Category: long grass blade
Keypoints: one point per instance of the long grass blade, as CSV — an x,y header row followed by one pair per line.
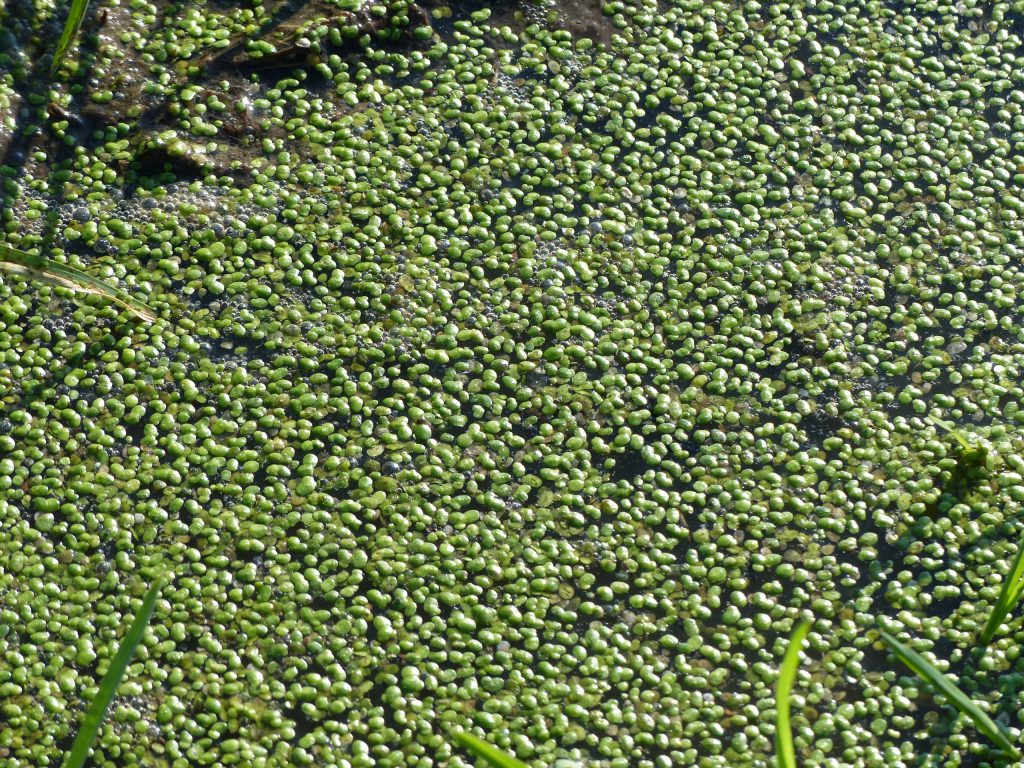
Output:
x,y
49,271
785,753
1009,595
76,14
485,751
940,682
108,686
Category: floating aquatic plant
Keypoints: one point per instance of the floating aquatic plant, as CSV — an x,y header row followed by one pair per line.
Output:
x,y
785,754
49,271
527,376
944,685
112,679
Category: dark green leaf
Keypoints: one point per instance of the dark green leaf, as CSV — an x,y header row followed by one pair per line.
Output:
x,y
1009,595
76,14
940,682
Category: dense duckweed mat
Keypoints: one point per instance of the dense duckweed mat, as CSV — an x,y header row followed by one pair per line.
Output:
x,y
530,371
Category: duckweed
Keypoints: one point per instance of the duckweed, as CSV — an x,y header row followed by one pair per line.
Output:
x,y
525,371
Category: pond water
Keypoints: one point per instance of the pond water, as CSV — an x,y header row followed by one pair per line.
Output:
x,y
524,368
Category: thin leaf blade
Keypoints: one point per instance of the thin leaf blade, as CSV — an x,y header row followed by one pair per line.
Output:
x,y
487,752
49,271
112,679
941,682
1009,595
956,433
76,15
785,752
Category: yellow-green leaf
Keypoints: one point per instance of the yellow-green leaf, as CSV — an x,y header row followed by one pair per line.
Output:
x,y
49,271
785,754
485,751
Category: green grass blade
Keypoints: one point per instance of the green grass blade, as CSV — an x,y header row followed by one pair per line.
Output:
x,y
940,682
956,433
1009,594
49,271
485,751
108,686
785,753
76,14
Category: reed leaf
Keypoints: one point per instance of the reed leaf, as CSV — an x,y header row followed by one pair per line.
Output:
x,y
487,752
76,15
49,271
1009,595
785,753
108,686
944,685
